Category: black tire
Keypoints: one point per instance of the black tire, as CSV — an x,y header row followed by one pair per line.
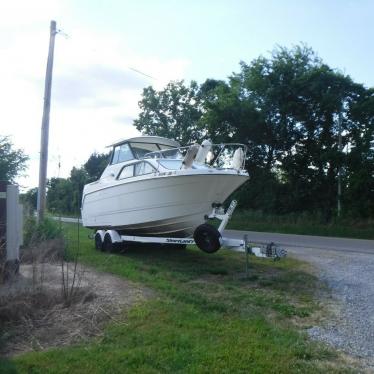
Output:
x,y
108,245
207,238
98,242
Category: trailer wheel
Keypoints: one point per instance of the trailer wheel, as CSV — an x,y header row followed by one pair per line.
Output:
x,y
207,238
108,245
98,242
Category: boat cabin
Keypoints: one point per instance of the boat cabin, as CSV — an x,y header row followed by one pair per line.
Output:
x,y
148,154
138,148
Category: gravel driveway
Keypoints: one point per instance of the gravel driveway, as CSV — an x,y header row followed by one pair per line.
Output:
x,y
347,266
350,277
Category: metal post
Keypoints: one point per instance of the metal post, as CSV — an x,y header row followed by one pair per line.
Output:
x,y
45,125
3,216
340,166
14,232
246,255
13,225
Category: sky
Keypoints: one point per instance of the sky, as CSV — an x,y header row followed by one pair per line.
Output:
x,y
95,91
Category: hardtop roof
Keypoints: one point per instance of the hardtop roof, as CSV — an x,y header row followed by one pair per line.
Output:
x,y
148,139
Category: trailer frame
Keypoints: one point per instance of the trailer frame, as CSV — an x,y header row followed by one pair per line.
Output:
x,y
110,239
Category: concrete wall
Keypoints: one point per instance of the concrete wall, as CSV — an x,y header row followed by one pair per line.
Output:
x,y
3,188
11,229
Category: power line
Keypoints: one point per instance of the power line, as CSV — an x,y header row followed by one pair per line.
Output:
x,y
139,72
67,36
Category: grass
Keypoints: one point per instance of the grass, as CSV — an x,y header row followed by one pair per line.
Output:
x,y
301,224
206,317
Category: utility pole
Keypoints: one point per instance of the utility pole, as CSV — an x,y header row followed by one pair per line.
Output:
x,y
45,125
340,166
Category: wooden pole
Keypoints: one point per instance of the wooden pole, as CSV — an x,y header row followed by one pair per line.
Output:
x,y
45,125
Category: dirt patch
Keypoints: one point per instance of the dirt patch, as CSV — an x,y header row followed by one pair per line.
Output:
x,y
35,315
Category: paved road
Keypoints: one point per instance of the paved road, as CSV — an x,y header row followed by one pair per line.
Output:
x,y
288,240
307,241
67,219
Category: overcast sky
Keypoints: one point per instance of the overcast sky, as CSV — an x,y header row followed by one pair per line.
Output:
x,y
95,91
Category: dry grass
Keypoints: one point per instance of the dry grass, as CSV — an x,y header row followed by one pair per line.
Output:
x,y
53,303
50,251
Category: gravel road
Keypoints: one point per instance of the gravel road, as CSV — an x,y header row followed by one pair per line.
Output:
x,y
347,266
350,277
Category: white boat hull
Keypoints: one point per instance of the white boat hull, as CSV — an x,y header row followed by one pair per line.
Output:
x,y
162,205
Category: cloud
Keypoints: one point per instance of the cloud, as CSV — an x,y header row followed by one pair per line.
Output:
x,y
90,86
94,93
124,119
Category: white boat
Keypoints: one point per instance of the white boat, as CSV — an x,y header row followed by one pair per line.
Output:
x,y
153,186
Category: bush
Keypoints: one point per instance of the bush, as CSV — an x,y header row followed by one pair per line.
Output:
x,y
36,232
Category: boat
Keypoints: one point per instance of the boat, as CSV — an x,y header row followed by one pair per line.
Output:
x,y
153,186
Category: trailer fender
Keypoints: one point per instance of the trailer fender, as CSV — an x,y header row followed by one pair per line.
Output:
x,y
116,238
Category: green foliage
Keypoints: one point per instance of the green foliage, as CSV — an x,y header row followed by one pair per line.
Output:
x,y
78,178
64,196
359,171
12,162
60,196
36,232
95,165
30,198
302,224
173,112
286,109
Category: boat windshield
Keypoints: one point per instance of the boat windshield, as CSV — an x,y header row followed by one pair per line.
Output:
x,y
140,149
177,164
170,164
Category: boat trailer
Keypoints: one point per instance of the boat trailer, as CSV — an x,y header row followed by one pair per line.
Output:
x,y
208,238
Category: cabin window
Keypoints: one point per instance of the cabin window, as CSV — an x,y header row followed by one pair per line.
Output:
x,y
143,168
122,153
126,172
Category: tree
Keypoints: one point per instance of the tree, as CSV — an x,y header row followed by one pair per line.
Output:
x,y
60,196
173,112
29,198
12,161
95,165
78,178
65,195
359,196
285,108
